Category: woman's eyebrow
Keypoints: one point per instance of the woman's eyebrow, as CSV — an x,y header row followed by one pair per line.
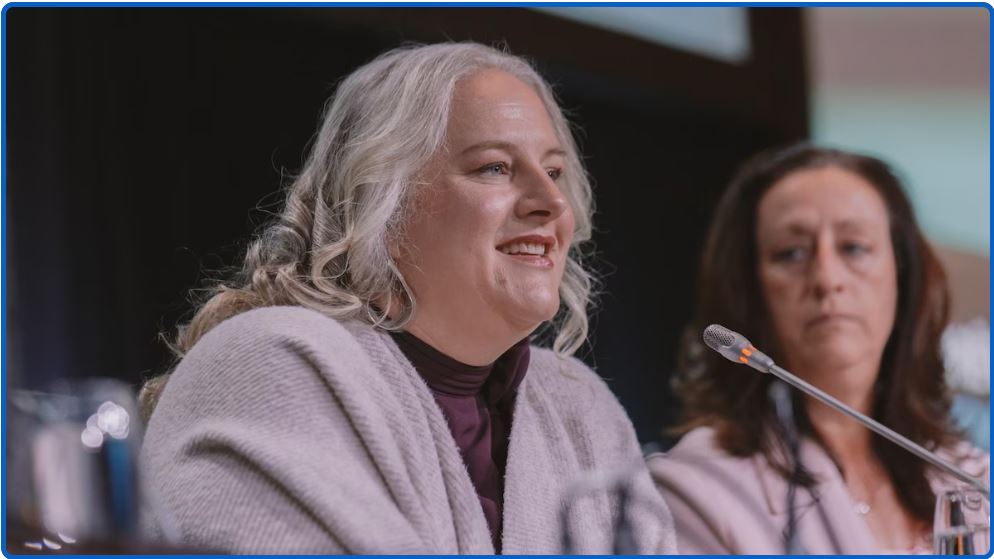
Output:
x,y
852,224
489,144
793,226
509,147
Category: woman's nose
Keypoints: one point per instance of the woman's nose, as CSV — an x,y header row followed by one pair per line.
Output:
x,y
828,271
542,196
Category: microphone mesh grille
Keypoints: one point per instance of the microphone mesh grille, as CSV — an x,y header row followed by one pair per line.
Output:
x,y
717,336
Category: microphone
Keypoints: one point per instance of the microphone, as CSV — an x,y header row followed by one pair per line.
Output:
x,y
736,348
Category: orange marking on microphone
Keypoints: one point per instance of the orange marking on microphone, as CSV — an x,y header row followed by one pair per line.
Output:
x,y
747,351
744,359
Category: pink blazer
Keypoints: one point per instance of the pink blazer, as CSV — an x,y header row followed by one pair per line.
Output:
x,y
724,504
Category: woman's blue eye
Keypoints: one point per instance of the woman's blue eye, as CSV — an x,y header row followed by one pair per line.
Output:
x,y
494,169
855,249
792,254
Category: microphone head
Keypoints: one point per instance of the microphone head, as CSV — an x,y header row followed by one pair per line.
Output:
x,y
717,336
736,348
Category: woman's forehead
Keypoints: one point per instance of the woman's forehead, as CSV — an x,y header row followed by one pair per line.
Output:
x,y
491,104
828,195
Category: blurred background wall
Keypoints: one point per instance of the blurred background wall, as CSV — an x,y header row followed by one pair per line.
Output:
x,y
145,145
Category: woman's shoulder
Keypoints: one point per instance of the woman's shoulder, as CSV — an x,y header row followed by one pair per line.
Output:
x,y
697,446
968,457
698,465
545,362
719,501
265,349
275,324
576,393
566,378
271,332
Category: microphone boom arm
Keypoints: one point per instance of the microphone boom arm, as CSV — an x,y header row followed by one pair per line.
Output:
x,y
880,429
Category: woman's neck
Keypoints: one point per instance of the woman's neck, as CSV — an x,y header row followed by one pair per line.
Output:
x,y
847,439
466,345
477,343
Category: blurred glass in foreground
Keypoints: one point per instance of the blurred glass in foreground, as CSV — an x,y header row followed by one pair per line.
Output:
x,y
72,452
962,523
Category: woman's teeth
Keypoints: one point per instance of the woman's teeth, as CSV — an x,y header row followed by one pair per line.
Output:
x,y
524,248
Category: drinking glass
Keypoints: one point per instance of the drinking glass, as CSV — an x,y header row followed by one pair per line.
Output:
x,y
72,452
962,523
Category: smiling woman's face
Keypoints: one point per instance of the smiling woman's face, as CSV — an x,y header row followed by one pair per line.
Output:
x,y
827,269
485,250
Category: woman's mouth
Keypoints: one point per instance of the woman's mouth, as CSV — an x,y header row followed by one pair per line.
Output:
x,y
533,251
830,319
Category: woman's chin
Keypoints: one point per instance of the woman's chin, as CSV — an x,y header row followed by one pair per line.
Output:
x,y
829,357
531,314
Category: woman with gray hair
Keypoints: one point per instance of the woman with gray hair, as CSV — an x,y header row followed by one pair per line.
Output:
x,y
367,383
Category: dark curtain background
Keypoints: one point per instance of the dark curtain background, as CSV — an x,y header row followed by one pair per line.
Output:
x,y
144,145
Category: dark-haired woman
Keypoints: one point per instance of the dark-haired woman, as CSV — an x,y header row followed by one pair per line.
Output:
x,y
815,255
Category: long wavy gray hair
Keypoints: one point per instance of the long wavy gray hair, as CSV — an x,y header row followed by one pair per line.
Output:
x,y
328,250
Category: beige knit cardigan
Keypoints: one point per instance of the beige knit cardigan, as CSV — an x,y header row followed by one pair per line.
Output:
x,y
285,431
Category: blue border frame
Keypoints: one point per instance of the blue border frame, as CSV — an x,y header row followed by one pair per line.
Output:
x,y
492,4
353,4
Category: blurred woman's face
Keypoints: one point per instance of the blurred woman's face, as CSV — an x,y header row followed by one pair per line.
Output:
x,y
827,270
485,250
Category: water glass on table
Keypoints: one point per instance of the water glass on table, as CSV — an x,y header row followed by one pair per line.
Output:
x,y
962,523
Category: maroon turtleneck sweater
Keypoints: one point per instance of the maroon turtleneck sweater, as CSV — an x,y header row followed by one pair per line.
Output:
x,y
477,402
